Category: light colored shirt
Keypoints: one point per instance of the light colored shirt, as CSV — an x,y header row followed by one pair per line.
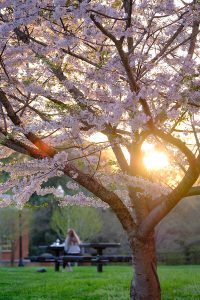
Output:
x,y
73,249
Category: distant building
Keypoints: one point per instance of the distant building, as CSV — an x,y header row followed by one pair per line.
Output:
x,y
9,249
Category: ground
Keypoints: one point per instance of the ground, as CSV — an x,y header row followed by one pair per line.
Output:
x,y
84,283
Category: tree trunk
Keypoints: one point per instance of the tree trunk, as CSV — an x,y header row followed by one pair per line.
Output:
x,y
12,254
145,284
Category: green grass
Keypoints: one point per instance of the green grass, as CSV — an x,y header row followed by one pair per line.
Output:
x,y
84,283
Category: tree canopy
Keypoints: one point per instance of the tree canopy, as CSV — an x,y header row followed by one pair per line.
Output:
x,y
70,69
126,69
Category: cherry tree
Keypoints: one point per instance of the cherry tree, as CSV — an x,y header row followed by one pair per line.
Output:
x,y
126,69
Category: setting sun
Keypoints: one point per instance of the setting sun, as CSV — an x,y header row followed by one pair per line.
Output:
x,y
155,160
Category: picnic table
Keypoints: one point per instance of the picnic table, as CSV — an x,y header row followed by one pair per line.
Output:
x,y
100,247
57,249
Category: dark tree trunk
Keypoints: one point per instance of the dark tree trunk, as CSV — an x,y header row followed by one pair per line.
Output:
x,y
12,254
145,284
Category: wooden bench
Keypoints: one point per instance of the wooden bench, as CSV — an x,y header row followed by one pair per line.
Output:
x,y
98,260
42,258
47,259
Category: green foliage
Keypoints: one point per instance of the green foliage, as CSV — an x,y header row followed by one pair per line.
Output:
x,y
4,139
4,176
117,4
48,62
190,81
61,107
41,232
73,2
43,208
11,159
85,220
104,56
9,222
28,81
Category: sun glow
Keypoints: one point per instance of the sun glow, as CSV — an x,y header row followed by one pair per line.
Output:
x,y
154,159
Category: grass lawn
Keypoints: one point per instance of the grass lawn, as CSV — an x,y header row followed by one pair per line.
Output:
x,y
84,283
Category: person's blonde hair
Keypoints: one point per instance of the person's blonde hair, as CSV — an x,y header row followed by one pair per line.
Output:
x,y
72,237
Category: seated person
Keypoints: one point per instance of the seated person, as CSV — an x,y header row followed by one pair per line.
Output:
x,y
71,246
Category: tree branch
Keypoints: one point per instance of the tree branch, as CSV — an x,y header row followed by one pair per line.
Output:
x,y
195,30
18,146
179,144
119,155
103,30
85,180
194,191
100,191
168,202
17,122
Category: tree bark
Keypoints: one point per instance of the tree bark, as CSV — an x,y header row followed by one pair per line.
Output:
x,y
145,284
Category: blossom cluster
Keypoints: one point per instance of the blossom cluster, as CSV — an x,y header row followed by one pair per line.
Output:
x,y
26,178
82,200
74,68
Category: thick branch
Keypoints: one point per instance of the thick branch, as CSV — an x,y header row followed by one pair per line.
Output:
x,y
194,191
104,30
169,202
9,109
17,122
85,180
18,146
179,144
120,157
101,192
195,30
128,9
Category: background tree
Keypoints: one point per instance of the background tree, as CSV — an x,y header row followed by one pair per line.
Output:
x,y
85,220
10,229
174,238
127,69
41,232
